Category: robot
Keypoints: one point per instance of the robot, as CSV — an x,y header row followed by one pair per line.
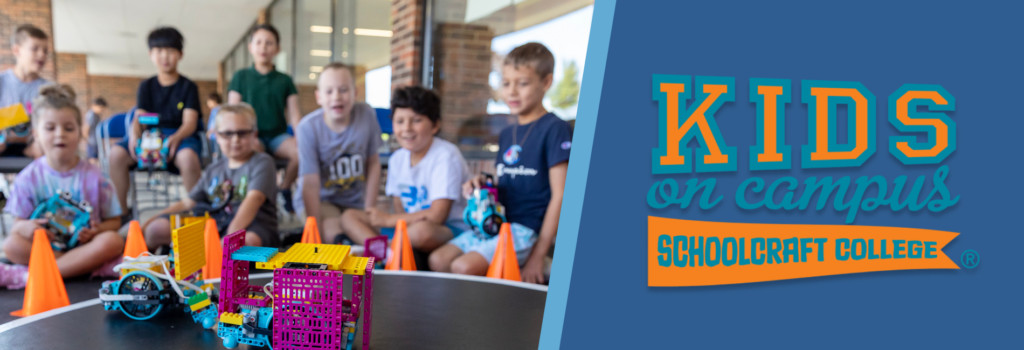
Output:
x,y
66,217
483,212
305,306
151,283
15,118
152,150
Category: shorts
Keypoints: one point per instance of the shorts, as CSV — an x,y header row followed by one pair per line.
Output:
x,y
272,143
14,150
523,238
266,234
192,142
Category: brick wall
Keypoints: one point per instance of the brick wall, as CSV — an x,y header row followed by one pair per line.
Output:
x,y
17,12
462,62
71,71
406,42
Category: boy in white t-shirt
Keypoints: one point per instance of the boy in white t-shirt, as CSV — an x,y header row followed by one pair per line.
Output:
x,y
425,176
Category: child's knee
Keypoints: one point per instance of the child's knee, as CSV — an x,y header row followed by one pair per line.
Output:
x,y
187,160
439,261
421,233
253,240
469,264
111,242
17,249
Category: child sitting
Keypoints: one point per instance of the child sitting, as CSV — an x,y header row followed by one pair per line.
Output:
x,y
338,161
425,176
97,112
531,169
57,130
31,47
175,99
238,190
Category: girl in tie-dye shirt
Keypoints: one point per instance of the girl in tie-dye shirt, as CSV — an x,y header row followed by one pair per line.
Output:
x,y
57,126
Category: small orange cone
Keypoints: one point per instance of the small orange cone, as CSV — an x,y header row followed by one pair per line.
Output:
x,y
136,243
45,289
214,251
401,250
311,234
505,265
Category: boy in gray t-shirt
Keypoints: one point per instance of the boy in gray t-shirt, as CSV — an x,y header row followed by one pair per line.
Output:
x,y
238,190
30,47
338,161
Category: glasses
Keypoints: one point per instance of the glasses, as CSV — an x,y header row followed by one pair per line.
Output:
x,y
227,134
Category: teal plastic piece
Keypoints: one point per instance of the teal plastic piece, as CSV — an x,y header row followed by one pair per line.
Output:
x,y
255,254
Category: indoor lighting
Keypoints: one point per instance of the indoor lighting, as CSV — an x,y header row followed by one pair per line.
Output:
x,y
344,30
373,32
344,54
312,76
320,53
321,29
316,69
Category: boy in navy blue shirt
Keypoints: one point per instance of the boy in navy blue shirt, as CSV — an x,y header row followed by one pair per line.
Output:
x,y
531,167
175,99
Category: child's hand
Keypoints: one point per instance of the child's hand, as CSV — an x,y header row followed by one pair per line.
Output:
x,y
27,228
475,183
172,145
132,143
378,218
86,234
533,272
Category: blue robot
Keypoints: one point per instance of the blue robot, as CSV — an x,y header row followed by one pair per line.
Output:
x,y
152,150
65,217
483,212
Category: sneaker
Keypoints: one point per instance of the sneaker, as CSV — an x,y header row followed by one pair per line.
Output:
x,y
288,205
107,270
13,276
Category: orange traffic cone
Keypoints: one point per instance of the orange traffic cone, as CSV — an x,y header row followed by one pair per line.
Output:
x,y
311,234
45,290
505,265
136,243
214,251
401,250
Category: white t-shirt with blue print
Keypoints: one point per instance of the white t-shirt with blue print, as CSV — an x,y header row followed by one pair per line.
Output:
x,y
439,175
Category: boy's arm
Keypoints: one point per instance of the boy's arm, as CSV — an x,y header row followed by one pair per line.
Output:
x,y
533,271
311,196
247,210
437,214
26,227
396,203
294,114
234,97
184,204
372,180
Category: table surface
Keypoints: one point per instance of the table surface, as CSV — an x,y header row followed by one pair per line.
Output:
x,y
411,310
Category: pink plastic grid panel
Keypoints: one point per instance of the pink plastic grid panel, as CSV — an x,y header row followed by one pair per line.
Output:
x,y
308,309
234,286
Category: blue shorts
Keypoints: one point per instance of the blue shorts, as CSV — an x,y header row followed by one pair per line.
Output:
x,y
523,238
271,144
192,142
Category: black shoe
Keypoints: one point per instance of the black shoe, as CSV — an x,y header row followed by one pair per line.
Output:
x,y
287,193
126,217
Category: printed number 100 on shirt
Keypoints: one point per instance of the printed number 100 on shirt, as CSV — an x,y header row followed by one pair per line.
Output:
x,y
345,171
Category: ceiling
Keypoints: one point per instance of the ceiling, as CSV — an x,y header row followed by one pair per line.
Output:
x,y
112,33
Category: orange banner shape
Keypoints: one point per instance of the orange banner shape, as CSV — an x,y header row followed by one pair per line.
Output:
x,y
684,253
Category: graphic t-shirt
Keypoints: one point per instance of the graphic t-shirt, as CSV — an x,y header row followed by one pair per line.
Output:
x,y
13,90
439,175
221,189
170,102
339,158
522,167
38,182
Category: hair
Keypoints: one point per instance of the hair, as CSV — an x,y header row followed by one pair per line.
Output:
x,y
533,55
100,101
167,37
25,31
266,27
419,100
215,97
55,97
243,109
341,66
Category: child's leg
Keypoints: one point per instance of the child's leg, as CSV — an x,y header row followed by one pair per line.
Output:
x,y
441,259
426,236
18,249
120,163
330,225
90,256
158,233
356,224
471,263
288,150
187,161
252,239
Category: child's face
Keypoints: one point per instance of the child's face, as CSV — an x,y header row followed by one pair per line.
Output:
x,y
235,135
263,46
57,132
413,130
522,89
211,103
31,53
98,109
335,93
165,59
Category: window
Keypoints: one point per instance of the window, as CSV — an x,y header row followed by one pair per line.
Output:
x,y
282,18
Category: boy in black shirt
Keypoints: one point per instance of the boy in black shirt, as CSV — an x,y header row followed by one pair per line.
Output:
x,y
176,99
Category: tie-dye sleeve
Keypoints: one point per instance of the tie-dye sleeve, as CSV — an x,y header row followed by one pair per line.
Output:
x,y
23,200
110,207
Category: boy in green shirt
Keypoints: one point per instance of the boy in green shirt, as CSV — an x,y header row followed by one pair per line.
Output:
x,y
273,95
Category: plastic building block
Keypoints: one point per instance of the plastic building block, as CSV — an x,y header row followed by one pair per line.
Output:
x,y
189,249
65,217
354,265
483,212
331,255
152,149
231,318
255,254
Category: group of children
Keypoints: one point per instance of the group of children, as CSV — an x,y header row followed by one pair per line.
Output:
x,y
334,154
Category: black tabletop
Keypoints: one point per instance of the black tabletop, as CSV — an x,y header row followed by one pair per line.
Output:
x,y
410,311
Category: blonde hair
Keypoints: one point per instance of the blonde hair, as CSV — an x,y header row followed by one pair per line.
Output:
x,y
242,109
55,97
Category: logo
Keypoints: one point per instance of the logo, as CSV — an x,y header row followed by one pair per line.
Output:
x,y
181,105
513,171
512,155
566,144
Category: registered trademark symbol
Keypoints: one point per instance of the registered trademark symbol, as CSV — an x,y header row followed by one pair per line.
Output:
x,y
970,259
